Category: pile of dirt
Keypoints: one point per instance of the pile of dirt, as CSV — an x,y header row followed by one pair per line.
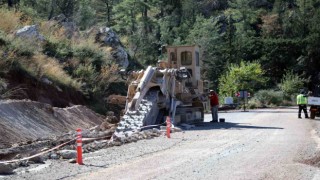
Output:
x,y
25,120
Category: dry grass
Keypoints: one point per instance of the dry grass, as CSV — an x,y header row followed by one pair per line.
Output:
x,y
9,20
85,44
52,31
44,66
107,74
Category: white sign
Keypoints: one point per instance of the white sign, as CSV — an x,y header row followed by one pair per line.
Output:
x,y
314,101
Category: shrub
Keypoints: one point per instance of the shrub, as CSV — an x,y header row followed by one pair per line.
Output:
x,y
86,73
246,75
58,49
43,66
24,47
291,84
3,38
267,98
9,20
89,52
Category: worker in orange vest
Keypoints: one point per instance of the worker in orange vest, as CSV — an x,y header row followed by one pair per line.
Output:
x,y
214,102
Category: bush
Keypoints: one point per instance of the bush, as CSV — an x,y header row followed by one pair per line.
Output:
x,y
89,52
58,49
24,47
9,20
246,75
266,98
43,66
291,84
3,38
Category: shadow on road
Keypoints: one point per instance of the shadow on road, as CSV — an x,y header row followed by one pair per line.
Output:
x,y
259,111
227,125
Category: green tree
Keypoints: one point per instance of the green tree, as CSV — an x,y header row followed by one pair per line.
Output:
x,y
246,75
205,33
104,11
85,15
291,83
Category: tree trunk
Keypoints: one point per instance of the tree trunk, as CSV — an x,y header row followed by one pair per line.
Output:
x,y
10,3
53,5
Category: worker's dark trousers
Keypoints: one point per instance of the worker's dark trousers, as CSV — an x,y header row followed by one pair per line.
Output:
x,y
304,108
214,112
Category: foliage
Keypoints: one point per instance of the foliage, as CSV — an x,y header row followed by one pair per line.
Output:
x,y
85,15
58,49
40,66
245,76
244,44
266,98
291,83
9,20
205,34
24,47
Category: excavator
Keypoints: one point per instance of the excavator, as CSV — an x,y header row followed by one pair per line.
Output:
x,y
172,88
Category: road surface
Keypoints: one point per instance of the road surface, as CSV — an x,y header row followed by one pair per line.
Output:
x,y
259,144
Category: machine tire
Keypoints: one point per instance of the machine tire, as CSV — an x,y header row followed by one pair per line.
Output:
x,y
312,114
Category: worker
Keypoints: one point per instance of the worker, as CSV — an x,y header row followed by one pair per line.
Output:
x,y
214,102
302,103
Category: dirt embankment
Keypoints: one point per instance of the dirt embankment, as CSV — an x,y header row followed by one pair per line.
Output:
x,y
24,120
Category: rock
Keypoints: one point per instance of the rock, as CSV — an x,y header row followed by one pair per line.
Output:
x,y
85,133
30,32
54,156
59,18
68,154
24,163
117,143
155,130
37,160
72,161
6,169
176,129
46,81
70,28
112,119
108,37
110,113
104,126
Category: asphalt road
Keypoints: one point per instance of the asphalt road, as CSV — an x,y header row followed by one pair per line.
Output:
x,y
259,144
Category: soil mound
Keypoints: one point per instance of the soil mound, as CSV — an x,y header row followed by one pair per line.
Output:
x,y
25,120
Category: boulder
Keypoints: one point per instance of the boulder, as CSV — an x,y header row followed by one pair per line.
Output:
x,y
104,126
107,37
6,169
72,161
30,32
54,156
68,154
37,160
69,26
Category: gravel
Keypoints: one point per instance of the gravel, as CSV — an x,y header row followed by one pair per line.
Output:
x,y
264,144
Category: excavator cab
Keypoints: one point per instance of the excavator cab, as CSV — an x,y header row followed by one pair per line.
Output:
x,y
190,89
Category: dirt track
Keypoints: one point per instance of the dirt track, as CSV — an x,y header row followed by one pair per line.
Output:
x,y
261,144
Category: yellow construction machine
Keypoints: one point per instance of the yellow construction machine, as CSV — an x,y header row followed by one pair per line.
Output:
x,y
173,88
